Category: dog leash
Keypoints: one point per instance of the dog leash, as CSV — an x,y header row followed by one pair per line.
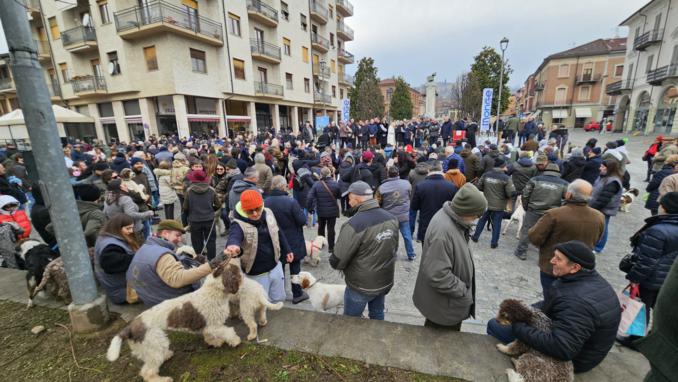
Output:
x,y
204,242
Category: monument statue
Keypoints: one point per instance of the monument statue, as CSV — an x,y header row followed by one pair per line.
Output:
x,y
431,93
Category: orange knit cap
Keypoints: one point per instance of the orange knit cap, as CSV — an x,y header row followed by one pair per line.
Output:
x,y
251,200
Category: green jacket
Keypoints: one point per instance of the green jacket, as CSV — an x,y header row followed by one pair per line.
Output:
x,y
92,218
513,124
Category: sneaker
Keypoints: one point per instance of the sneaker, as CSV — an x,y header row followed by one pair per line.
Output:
x,y
298,299
521,256
411,258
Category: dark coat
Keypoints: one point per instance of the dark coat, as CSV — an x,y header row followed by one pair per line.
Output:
x,y
655,247
584,312
521,172
291,219
471,165
592,169
573,168
653,186
429,196
345,170
119,164
320,200
446,129
487,163
303,182
361,172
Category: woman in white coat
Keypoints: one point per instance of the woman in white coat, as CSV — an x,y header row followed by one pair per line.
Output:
x,y
390,135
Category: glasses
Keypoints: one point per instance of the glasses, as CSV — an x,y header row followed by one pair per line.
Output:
x,y
114,177
220,169
254,211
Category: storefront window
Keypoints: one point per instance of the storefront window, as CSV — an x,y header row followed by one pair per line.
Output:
x,y
136,131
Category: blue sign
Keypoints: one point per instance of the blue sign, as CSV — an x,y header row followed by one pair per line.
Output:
x,y
345,109
321,122
486,110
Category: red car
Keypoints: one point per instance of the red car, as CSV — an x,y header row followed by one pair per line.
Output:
x,y
595,126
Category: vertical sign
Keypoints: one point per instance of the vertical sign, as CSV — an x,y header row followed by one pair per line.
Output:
x,y
345,109
486,110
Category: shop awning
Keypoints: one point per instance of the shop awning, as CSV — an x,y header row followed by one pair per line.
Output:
x,y
238,118
133,119
582,112
107,120
203,118
61,114
559,113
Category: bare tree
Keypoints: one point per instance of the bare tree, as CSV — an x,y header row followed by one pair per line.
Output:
x,y
467,95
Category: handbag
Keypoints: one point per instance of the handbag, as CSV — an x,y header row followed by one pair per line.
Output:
x,y
634,319
626,263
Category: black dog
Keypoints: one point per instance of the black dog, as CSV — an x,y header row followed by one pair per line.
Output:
x,y
33,256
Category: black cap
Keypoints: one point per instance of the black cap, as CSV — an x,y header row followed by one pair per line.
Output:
x,y
670,202
578,252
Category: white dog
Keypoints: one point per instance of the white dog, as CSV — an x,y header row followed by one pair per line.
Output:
x,y
250,303
517,216
627,199
204,310
313,249
322,296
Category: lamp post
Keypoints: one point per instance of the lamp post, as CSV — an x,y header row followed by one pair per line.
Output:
x,y
503,44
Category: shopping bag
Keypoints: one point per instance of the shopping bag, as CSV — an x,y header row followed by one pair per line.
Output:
x,y
633,320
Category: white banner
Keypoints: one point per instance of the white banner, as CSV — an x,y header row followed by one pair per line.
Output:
x,y
345,109
486,110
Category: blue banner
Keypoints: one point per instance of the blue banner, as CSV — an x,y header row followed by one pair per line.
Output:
x,y
486,110
345,109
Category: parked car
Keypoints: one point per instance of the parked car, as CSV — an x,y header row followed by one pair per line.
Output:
x,y
595,126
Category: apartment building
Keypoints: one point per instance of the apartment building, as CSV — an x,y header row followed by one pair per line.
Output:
x,y
568,88
387,88
193,66
8,100
648,90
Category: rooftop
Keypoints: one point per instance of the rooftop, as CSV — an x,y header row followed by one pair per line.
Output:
x,y
594,48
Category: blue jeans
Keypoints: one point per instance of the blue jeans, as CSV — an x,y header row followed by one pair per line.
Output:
x,y
273,283
155,198
354,304
495,217
503,333
413,221
407,238
546,281
600,245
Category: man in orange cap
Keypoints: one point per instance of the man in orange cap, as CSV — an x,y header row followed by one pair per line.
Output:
x,y
255,237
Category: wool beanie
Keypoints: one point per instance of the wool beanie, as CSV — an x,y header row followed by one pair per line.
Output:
x,y
100,166
578,252
232,164
469,201
251,200
88,192
198,176
135,160
670,202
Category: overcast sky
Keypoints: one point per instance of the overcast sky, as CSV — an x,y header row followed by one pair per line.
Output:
x,y
415,38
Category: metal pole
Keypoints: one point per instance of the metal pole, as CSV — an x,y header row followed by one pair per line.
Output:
x,y
42,130
501,86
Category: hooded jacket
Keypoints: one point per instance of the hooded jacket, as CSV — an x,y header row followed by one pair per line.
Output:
x,y
487,163
498,189
544,192
322,201
19,216
419,173
178,173
521,172
167,193
119,163
653,187
200,203
471,165
655,247
573,168
238,188
394,196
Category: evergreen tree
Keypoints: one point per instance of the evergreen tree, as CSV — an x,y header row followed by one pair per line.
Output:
x,y
401,103
366,98
486,70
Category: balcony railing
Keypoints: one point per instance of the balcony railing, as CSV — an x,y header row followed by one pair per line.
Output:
x,y
43,48
88,84
345,30
322,71
657,76
588,78
265,11
78,37
648,38
346,79
165,14
320,42
345,8
618,87
319,11
319,97
539,86
267,50
266,89
345,56
6,84
54,89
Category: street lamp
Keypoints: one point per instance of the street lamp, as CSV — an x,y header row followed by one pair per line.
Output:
x,y
503,44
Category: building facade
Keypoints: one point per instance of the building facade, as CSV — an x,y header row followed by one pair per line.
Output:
x,y
188,67
387,88
648,90
568,88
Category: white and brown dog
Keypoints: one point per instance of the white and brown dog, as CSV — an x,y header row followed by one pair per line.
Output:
x,y
323,296
250,303
313,249
517,216
202,311
627,198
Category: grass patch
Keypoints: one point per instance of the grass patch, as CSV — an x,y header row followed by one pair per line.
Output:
x,y
48,357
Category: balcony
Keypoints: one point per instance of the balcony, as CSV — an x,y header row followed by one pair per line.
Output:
x,y
262,12
344,8
344,32
88,85
159,17
79,39
43,50
7,85
264,89
588,78
264,51
657,76
320,43
648,38
32,6
345,79
345,56
619,87
321,98
321,71
539,86
54,90
319,12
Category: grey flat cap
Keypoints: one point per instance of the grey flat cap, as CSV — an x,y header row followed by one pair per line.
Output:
x,y
360,188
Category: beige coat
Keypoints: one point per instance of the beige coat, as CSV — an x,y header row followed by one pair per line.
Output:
x,y
668,184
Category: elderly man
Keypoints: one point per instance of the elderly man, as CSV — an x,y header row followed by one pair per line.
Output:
x,y
444,291
583,308
573,221
156,273
449,154
366,253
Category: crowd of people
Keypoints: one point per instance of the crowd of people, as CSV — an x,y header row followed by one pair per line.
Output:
x,y
438,183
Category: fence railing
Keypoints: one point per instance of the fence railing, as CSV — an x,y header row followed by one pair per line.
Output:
x,y
322,71
265,49
345,55
648,38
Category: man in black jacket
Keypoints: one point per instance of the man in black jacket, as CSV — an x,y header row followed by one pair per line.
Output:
x,y
430,195
583,308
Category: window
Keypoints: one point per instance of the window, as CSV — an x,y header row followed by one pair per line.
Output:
x,y
657,22
564,70
151,58
332,40
618,70
330,8
103,10
63,68
304,54
113,64
239,69
584,93
54,28
284,11
389,94
289,83
287,47
307,85
96,67
648,66
333,66
629,74
561,95
304,23
198,61
341,93
334,91
233,24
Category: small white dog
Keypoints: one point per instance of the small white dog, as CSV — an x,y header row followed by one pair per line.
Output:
x,y
313,249
322,296
517,216
204,310
627,199
250,303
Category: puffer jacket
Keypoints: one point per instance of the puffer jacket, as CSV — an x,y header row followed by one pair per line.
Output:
x,y
366,249
200,203
606,196
119,163
655,247
419,173
544,192
498,189
178,173
584,312
428,197
361,171
321,201
521,172
471,165
573,168
167,193
591,170
653,187
394,196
